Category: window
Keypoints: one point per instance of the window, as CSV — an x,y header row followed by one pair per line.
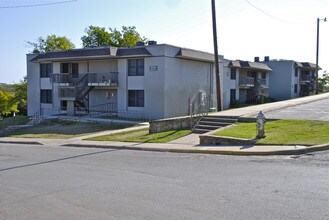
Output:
x,y
233,73
72,68
75,70
263,75
313,73
45,70
295,88
136,67
232,94
46,96
251,74
64,67
136,98
63,104
296,72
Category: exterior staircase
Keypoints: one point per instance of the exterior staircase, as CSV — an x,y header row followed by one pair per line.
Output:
x,y
213,122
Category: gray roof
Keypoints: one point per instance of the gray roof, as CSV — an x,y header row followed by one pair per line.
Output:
x,y
306,65
76,53
195,55
133,51
250,65
113,52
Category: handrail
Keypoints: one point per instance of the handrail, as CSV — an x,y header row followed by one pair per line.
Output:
x,y
37,117
92,111
199,113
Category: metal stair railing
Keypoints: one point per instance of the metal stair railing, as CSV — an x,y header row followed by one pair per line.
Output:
x,y
37,117
96,110
197,115
82,87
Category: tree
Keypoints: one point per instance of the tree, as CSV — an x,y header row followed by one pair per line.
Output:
x,y
20,96
7,103
323,81
99,36
96,36
51,43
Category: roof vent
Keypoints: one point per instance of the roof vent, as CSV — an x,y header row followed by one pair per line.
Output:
x,y
152,42
140,43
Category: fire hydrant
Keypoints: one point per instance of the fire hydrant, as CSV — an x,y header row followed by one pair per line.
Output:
x,y
260,124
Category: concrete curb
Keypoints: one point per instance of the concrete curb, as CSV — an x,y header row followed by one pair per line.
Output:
x,y
211,151
21,142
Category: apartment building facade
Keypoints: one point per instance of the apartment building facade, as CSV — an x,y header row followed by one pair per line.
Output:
x,y
157,81
291,79
245,81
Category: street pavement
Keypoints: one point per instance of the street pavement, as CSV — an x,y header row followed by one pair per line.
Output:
x,y
311,107
53,182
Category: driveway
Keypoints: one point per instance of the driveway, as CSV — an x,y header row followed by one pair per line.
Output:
x,y
317,110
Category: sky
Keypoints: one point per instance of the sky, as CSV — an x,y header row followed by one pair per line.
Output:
x,y
280,29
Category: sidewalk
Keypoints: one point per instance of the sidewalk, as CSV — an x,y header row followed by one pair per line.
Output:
x,y
252,111
189,143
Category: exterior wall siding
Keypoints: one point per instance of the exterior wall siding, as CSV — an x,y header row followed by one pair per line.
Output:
x,y
280,79
33,89
184,80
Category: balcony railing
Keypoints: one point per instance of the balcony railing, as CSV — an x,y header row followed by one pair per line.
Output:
x,y
246,81
67,93
103,79
93,79
262,82
306,78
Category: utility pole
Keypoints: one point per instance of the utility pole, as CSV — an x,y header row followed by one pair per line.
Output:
x,y
317,54
214,28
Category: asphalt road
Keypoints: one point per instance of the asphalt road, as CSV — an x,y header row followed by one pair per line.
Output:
x,y
43,182
318,110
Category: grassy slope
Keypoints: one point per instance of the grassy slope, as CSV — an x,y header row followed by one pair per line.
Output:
x,y
10,121
143,135
283,132
57,129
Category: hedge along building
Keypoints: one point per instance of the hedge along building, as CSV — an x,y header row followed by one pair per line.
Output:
x,y
153,81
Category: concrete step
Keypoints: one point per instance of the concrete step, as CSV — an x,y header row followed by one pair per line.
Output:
x,y
200,131
207,127
220,119
214,123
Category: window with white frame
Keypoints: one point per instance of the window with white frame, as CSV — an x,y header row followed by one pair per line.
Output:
x,y
136,67
46,96
233,73
45,70
136,98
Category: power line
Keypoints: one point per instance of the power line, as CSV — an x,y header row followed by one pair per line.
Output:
x,y
264,12
38,5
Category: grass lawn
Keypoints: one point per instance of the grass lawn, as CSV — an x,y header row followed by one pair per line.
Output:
x,y
143,135
61,129
11,121
299,132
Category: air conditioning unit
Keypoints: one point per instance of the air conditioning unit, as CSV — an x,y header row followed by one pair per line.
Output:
x,y
152,42
140,44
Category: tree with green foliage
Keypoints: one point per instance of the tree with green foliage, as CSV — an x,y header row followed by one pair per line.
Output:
x,y
95,37
7,103
20,96
51,43
99,36
323,82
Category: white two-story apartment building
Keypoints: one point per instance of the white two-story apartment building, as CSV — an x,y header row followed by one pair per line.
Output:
x,y
245,81
157,81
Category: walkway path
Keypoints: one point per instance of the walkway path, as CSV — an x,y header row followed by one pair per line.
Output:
x,y
189,144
